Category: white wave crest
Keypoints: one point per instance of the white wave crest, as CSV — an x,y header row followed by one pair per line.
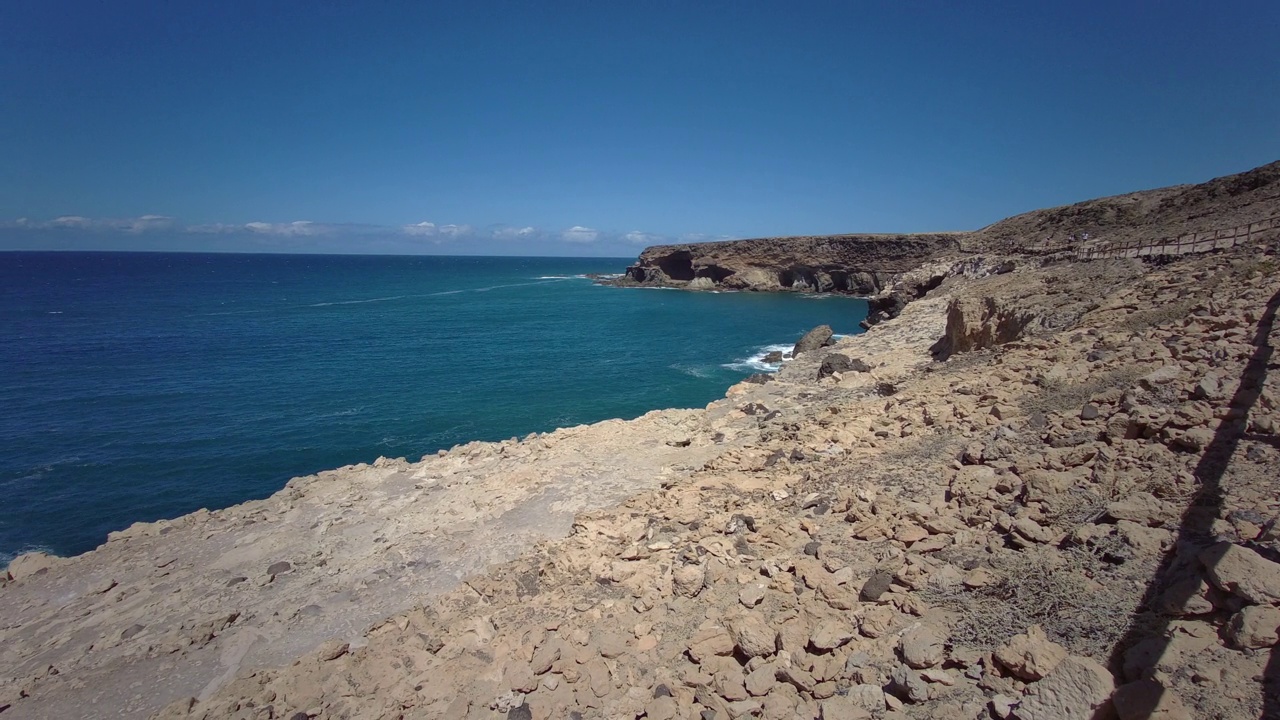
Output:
x,y
756,363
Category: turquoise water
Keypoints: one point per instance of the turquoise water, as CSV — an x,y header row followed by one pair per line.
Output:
x,y
144,386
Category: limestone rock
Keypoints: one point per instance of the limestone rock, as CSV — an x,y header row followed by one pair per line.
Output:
x,y
1075,690
743,708
332,650
922,646
751,595
1242,572
519,677
844,708
730,684
908,685
710,643
1160,376
876,621
977,323
1002,706
1207,388
1031,656
831,634
1141,507
31,564
752,635
662,708
1256,626
868,697
689,580
761,680
544,658
1031,530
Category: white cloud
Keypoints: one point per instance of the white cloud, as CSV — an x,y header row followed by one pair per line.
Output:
x,y
580,234
213,228
145,223
297,228
306,232
71,221
422,229
515,233
456,230
639,237
136,225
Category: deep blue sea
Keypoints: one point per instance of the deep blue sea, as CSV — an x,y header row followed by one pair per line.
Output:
x,y
140,386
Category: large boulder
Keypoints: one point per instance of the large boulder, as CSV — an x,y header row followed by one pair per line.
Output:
x,y
1076,689
31,564
752,636
1030,656
812,340
923,646
1243,572
838,363
978,323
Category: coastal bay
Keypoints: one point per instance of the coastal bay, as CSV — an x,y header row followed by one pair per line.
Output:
x,y
142,386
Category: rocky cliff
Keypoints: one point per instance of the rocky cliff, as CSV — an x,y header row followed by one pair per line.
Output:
x,y
872,264
859,264
1046,489
1224,202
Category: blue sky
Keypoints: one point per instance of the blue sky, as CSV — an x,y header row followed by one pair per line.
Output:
x,y
595,128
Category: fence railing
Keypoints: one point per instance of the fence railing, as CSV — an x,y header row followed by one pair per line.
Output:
x,y
1183,244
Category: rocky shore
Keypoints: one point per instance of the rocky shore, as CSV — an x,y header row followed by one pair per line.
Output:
x,y
857,264
1038,488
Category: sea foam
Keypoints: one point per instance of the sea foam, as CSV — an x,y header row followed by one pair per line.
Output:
x,y
756,363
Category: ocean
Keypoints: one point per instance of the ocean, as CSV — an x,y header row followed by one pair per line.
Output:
x,y
141,386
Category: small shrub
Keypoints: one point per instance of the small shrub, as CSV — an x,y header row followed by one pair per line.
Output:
x,y
1057,396
1142,320
1042,586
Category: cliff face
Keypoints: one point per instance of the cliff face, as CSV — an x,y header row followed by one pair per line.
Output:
x,y
859,264
1220,203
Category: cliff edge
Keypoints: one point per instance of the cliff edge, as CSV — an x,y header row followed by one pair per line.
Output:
x,y
1049,487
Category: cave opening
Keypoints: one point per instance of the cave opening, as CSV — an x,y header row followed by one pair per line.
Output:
x,y
932,284
803,277
677,265
715,272
839,281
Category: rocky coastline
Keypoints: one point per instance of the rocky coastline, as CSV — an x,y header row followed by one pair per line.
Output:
x,y
856,264
1036,488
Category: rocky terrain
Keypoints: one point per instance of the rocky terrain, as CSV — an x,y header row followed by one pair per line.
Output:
x,y
1140,216
872,264
858,264
1040,488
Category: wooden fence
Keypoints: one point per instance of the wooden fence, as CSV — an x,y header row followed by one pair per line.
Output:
x,y
1185,244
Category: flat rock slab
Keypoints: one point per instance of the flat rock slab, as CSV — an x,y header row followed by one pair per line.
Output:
x,y
194,600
